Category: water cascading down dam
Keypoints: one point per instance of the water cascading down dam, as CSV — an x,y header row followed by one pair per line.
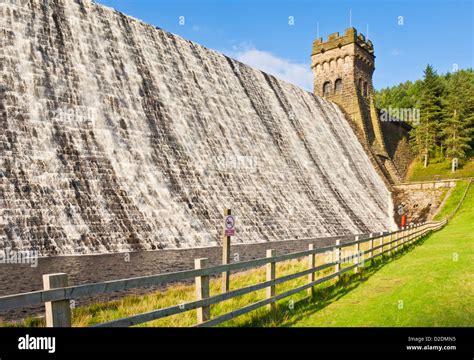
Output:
x,y
118,136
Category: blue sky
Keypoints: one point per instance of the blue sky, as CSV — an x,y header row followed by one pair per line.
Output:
x,y
406,34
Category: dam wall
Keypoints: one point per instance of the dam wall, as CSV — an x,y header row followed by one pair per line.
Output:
x,y
119,136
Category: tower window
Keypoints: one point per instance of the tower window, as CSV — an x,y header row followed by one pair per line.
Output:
x,y
338,86
327,88
365,89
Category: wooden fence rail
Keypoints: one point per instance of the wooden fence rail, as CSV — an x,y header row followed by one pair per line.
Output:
x,y
57,294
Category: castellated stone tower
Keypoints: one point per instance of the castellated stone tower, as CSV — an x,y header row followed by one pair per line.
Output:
x,y
343,68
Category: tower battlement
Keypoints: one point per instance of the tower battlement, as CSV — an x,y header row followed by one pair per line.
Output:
x,y
334,41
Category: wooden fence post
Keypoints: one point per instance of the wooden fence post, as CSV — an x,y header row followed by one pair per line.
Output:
x,y
390,239
381,242
395,246
403,237
357,256
311,265
226,256
371,245
271,270
202,291
337,257
58,313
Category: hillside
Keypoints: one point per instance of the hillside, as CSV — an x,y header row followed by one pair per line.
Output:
x,y
429,286
440,109
440,170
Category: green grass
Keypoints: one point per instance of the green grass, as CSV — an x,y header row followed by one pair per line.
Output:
x,y
433,285
453,200
442,170
176,294
435,289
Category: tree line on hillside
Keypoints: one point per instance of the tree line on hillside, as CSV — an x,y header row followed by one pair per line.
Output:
x,y
445,127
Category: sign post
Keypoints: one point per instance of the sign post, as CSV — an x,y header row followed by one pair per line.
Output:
x,y
229,230
454,165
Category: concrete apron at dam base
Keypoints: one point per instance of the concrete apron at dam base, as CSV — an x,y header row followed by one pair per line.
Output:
x,y
19,278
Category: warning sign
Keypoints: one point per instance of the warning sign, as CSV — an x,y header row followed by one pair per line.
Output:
x,y
229,225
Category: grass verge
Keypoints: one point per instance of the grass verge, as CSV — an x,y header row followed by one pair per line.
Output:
x,y
441,170
432,286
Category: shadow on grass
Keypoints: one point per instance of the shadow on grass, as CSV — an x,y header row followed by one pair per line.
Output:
x,y
326,293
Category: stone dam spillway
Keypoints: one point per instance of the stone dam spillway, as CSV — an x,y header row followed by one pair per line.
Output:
x,y
118,136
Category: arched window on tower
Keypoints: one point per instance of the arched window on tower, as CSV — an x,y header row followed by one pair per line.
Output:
x,y
327,88
338,86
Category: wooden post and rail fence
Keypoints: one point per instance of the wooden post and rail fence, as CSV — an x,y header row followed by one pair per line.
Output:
x,y
57,293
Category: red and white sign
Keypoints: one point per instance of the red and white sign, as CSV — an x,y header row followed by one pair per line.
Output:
x,y
229,226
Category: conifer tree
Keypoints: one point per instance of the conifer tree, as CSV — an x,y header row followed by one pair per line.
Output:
x,y
457,129
424,137
447,112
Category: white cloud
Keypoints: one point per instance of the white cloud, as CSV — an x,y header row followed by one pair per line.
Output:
x,y
295,73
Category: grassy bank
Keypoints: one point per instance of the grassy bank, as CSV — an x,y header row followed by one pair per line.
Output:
x,y
441,170
434,289
431,286
132,305
453,200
